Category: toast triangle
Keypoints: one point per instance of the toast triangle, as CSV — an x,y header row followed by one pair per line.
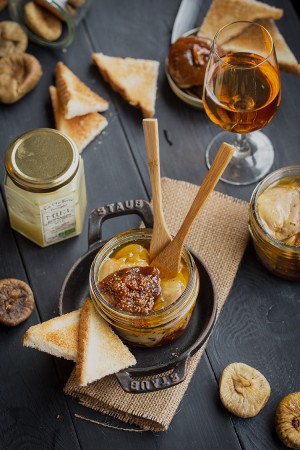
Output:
x,y
82,129
76,98
223,12
286,59
100,351
134,79
57,336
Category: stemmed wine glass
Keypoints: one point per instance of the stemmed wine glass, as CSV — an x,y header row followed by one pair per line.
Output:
x,y
241,94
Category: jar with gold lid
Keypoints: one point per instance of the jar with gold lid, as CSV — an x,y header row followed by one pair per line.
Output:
x,y
274,222
45,186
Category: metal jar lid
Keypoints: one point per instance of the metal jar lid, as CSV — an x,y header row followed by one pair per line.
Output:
x,y
42,160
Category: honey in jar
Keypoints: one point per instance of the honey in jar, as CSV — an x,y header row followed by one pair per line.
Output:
x,y
45,186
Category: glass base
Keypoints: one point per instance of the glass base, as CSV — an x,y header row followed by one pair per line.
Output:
x,y
246,167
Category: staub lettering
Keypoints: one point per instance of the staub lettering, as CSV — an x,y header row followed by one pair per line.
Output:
x,y
155,383
119,206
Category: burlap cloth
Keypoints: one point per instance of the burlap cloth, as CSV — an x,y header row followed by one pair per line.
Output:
x,y
219,235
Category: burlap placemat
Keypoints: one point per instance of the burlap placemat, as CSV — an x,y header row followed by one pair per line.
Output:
x,y
219,235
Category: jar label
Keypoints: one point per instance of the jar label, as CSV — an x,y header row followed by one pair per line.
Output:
x,y
58,220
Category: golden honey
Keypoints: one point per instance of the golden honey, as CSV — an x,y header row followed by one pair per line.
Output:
x,y
45,186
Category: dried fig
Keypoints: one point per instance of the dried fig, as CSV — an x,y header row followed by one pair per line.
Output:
x,y
19,74
13,38
287,420
42,22
3,4
16,301
244,391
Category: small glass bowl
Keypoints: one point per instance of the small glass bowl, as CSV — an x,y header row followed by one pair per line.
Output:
x,y
278,257
145,330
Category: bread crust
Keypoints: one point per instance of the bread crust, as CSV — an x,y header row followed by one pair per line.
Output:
x,y
285,57
57,336
76,98
100,351
222,12
134,79
82,129
85,337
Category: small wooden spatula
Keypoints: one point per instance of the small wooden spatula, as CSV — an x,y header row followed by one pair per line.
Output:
x,y
168,260
160,236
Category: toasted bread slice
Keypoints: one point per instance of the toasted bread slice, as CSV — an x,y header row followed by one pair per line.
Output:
x,y
58,336
134,79
76,98
82,129
100,351
286,59
223,12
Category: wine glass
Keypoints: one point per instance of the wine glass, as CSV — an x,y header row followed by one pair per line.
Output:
x,y
241,94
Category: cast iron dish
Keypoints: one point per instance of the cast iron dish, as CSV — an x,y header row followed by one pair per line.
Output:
x,y
152,363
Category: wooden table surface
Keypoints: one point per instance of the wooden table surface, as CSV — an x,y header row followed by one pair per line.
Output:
x,y
259,324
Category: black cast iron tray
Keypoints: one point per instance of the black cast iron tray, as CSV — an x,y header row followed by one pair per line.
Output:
x,y
149,374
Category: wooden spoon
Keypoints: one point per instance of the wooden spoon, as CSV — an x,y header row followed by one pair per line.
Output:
x,y
168,261
160,236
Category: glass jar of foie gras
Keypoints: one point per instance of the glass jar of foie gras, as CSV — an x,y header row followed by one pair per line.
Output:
x,y
144,309
45,186
274,221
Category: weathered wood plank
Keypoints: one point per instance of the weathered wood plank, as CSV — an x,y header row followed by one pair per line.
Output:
x,y
260,309
190,429
188,129
259,326
33,412
189,132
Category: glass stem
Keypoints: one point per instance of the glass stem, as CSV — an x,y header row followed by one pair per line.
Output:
x,y
242,146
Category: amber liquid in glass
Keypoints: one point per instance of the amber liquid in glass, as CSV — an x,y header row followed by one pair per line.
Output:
x,y
243,98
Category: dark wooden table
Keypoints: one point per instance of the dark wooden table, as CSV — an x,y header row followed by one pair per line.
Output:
x,y
259,324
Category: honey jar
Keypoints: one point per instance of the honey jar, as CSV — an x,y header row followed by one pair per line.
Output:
x,y
45,186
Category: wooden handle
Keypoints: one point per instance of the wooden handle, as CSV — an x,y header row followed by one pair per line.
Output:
x,y
216,170
168,261
160,236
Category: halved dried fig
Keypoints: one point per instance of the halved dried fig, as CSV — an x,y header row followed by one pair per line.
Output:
x,y
244,391
13,38
3,4
19,74
16,301
42,22
287,420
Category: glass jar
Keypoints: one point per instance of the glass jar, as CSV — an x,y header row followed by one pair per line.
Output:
x,y
279,257
157,327
45,186
70,12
